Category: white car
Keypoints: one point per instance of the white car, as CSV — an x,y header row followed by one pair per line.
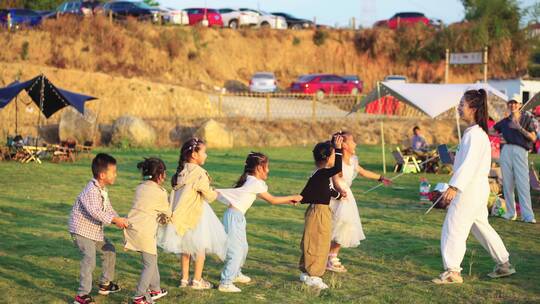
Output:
x,y
263,82
234,18
268,20
395,78
174,16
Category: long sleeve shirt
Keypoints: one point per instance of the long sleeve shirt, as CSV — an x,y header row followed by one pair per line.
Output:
x,y
318,189
91,211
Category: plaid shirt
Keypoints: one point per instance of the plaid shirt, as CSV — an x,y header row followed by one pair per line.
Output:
x,y
91,211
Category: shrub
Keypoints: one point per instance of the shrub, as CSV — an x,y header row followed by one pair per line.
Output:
x,y
296,41
319,37
24,50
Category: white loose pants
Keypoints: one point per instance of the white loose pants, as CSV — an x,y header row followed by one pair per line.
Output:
x,y
468,211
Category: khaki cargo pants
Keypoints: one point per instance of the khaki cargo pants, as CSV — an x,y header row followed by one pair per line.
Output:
x,y
315,243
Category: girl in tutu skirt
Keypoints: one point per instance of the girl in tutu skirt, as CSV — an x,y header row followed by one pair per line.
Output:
x,y
194,229
346,225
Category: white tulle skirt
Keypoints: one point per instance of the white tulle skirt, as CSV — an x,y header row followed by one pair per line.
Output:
x,y
208,236
346,225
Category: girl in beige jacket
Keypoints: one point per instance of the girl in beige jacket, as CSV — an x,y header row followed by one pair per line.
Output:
x,y
150,207
194,230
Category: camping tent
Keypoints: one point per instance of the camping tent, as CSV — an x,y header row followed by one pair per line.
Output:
x,y
432,100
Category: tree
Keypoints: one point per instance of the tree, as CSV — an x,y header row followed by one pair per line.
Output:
x,y
495,19
532,13
151,2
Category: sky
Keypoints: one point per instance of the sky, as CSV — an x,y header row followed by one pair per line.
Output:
x,y
340,12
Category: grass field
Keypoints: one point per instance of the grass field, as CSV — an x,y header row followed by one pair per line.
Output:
x,y
38,262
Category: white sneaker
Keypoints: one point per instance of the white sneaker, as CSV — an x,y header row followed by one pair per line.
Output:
x,y
303,277
510,218
228,288
202,284
242,278
316,282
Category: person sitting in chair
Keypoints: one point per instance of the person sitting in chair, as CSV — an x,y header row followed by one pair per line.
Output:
x,y
419,144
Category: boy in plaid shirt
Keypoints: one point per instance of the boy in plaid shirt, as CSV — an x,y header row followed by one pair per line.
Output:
x,y
91,211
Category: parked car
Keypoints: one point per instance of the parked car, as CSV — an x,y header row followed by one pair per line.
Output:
x,y
234,18
124,9
356,80
204,17
323,84
268,20
404,19
395,78
19,17
77,8
294,22
263,82
174,16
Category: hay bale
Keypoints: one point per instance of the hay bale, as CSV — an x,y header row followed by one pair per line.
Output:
x,y
130,131
215,135
75,126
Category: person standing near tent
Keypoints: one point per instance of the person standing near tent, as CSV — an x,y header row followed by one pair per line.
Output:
x,y
468,194
518,131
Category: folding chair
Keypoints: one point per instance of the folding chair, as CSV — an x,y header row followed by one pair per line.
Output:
x,y
446,157
533,177
405,163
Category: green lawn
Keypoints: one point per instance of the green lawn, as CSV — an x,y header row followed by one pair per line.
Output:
x,y
38,262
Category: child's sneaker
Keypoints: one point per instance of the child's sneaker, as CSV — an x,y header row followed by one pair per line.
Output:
x,y
303,277
158,294
111,287
84,299
140,300
202,284
335,265
242,278
228,288
184,283
316,282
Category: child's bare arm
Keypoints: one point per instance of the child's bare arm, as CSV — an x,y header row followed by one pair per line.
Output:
x,y
280,200
337,185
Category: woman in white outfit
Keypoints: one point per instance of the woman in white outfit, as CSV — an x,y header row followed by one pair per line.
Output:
x,y
468,194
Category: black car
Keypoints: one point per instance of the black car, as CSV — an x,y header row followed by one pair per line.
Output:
x,y
295,23
139,10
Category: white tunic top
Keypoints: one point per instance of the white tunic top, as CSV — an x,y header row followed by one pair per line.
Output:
x,y
471,166
243,197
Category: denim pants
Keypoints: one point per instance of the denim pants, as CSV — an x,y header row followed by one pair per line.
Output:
x,y
237,246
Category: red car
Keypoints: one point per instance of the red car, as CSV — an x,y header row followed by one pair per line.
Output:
x,y
404,19
324,84
204,17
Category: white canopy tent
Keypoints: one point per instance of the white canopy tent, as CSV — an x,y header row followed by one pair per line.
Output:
x,y
433,100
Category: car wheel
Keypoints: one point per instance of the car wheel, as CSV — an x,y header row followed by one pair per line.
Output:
x,y
320,95
354,91
233,24
296,27
265,25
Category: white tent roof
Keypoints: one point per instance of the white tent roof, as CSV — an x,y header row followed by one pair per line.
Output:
x,y
431,99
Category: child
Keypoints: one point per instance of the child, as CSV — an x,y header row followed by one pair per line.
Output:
x,y
194,229
346,225
91,211
239,199
315,243
149,206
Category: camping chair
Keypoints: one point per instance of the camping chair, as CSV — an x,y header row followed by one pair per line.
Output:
x,y
405,163
446,157
533,177
85,148
66,151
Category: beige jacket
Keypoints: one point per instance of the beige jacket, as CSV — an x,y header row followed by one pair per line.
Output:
x,y
187,197
150,200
